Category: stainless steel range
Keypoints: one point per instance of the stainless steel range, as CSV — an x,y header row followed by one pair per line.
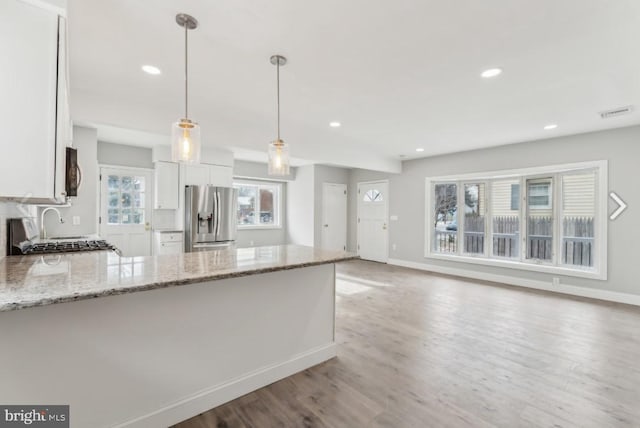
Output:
x,y
22,235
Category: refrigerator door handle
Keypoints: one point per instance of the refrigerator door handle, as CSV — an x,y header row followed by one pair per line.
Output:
x,y
218,211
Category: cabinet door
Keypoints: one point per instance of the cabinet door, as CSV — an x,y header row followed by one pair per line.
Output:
x,y
167,187
169,248
220,175
64,128
196,175
28,42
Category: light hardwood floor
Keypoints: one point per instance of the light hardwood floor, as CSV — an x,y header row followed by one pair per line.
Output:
x,y
425,350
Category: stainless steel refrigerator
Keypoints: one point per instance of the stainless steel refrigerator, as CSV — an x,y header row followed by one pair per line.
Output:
x,y
210,217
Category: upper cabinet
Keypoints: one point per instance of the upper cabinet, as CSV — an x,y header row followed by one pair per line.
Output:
x,y
167,186
216,175
196,174
221,175
34,104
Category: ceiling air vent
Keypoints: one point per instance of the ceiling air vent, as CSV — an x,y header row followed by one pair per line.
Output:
x,y
616,112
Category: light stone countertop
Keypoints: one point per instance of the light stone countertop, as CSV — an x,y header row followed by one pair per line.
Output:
x,y
28,281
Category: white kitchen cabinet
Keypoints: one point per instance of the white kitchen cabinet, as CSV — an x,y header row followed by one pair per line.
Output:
x,y
168,242
220,175
169,248
195,175
167,177
34,102
217,175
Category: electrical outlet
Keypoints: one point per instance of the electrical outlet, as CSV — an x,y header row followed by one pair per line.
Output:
x,y
251,243
393,247
556,280
76,220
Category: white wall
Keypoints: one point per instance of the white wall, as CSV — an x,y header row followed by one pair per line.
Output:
x,y
124,155
85,205
300,207
621,147
258,170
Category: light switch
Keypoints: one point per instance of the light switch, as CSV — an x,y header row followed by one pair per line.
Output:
x,y
393,218
76,220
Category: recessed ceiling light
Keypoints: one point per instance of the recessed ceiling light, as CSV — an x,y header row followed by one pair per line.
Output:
x,y
550,127
150,69
420,149
492,72
335,124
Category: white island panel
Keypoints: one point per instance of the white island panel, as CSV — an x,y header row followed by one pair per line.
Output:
x,y
157,357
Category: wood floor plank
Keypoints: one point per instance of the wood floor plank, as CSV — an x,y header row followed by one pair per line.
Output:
x,y
417,349
220,417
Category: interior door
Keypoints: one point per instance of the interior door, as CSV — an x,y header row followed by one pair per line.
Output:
x,y
126,208
334,217
373,213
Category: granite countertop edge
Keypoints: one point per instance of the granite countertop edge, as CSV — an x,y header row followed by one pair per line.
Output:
x,y
119,290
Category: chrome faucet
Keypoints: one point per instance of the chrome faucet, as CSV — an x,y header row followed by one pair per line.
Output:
x,y
44,211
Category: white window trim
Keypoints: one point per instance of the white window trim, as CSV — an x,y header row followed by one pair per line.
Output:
x,y
600,236
279,203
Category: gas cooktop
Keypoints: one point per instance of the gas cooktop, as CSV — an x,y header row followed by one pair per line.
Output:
x,y
68,247
22,234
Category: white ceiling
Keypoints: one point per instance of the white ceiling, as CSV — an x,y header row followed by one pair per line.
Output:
x,y
398,74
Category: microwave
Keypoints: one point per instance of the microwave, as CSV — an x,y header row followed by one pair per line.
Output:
x,y
73,175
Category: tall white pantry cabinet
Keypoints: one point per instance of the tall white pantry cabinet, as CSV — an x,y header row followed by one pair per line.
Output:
x,y
34,106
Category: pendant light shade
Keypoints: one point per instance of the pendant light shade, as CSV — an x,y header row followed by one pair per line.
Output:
x,y
278,158
185,134
278,150
185,142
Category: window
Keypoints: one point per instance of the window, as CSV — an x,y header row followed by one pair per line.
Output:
x,y
372,195
578,218
549,219
505,219
474,218
258,204
126,199
445,218
539,220
539,194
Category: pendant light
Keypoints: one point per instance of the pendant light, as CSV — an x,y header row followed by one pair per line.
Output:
x,y
278,149
185,134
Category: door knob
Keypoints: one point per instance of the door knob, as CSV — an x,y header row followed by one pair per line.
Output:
x,y
326,225
384,226
147,226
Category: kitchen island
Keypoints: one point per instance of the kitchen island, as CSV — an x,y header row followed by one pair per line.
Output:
x,y
151,341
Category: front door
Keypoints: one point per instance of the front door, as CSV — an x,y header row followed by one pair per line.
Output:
x,y
334,216
125,209
373,212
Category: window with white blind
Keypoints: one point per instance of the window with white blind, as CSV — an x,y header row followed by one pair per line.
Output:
x,y
550,219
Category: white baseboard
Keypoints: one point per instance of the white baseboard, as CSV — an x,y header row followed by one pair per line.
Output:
x,y
225,392
593,293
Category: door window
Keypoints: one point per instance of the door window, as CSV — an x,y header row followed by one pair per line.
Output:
x,y
372,195
126,199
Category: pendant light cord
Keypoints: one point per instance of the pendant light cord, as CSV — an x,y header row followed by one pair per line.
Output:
x,y
278,88
186,72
